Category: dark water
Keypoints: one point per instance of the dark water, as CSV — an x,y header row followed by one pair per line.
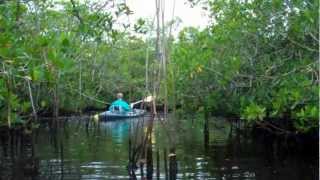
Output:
x,y
78,148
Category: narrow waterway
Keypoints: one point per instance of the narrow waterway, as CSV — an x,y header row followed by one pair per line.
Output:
x,y
79,148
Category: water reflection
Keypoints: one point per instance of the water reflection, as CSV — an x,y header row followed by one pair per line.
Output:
x,y
77,148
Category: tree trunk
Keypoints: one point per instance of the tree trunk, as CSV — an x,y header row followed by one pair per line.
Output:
x,y
34,112
55,101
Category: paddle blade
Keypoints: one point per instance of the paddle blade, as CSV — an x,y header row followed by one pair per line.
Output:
x,y
149,99
96,118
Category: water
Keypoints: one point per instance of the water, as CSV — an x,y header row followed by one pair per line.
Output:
x,y
78,148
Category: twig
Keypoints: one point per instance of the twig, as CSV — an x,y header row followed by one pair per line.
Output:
x,y
265,124
89,97
76,12
302,46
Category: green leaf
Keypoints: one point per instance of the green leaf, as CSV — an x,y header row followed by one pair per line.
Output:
x,y
65,42
37,73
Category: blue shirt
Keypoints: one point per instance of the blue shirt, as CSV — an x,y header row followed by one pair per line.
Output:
x,y
120,103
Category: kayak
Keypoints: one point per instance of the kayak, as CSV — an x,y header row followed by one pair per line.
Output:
x,y
109,115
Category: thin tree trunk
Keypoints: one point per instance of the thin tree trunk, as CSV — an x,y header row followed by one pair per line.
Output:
x,y
147,66
155,81
149,157
56,101
164,63
174,99
8,82
158,28
172,165
165,163
80,84
31,100
158,164
206,128
9,105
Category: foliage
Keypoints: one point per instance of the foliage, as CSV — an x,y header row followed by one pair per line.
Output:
x,y
69,52
307,118
254,112
258,59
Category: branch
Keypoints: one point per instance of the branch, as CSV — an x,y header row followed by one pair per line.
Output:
x,y
89,97
265,124
302,46
313,37
76,12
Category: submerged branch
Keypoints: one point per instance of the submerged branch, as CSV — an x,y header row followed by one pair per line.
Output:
x,y
271,127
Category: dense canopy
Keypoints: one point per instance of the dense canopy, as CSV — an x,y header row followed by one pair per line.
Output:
x,y
256,60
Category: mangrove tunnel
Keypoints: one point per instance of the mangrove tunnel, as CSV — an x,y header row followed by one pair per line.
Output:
x,y
161,89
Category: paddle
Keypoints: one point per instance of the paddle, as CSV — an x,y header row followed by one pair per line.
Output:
x,y
146,99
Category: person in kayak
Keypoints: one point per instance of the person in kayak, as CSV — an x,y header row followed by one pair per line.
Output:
x,y
120,105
